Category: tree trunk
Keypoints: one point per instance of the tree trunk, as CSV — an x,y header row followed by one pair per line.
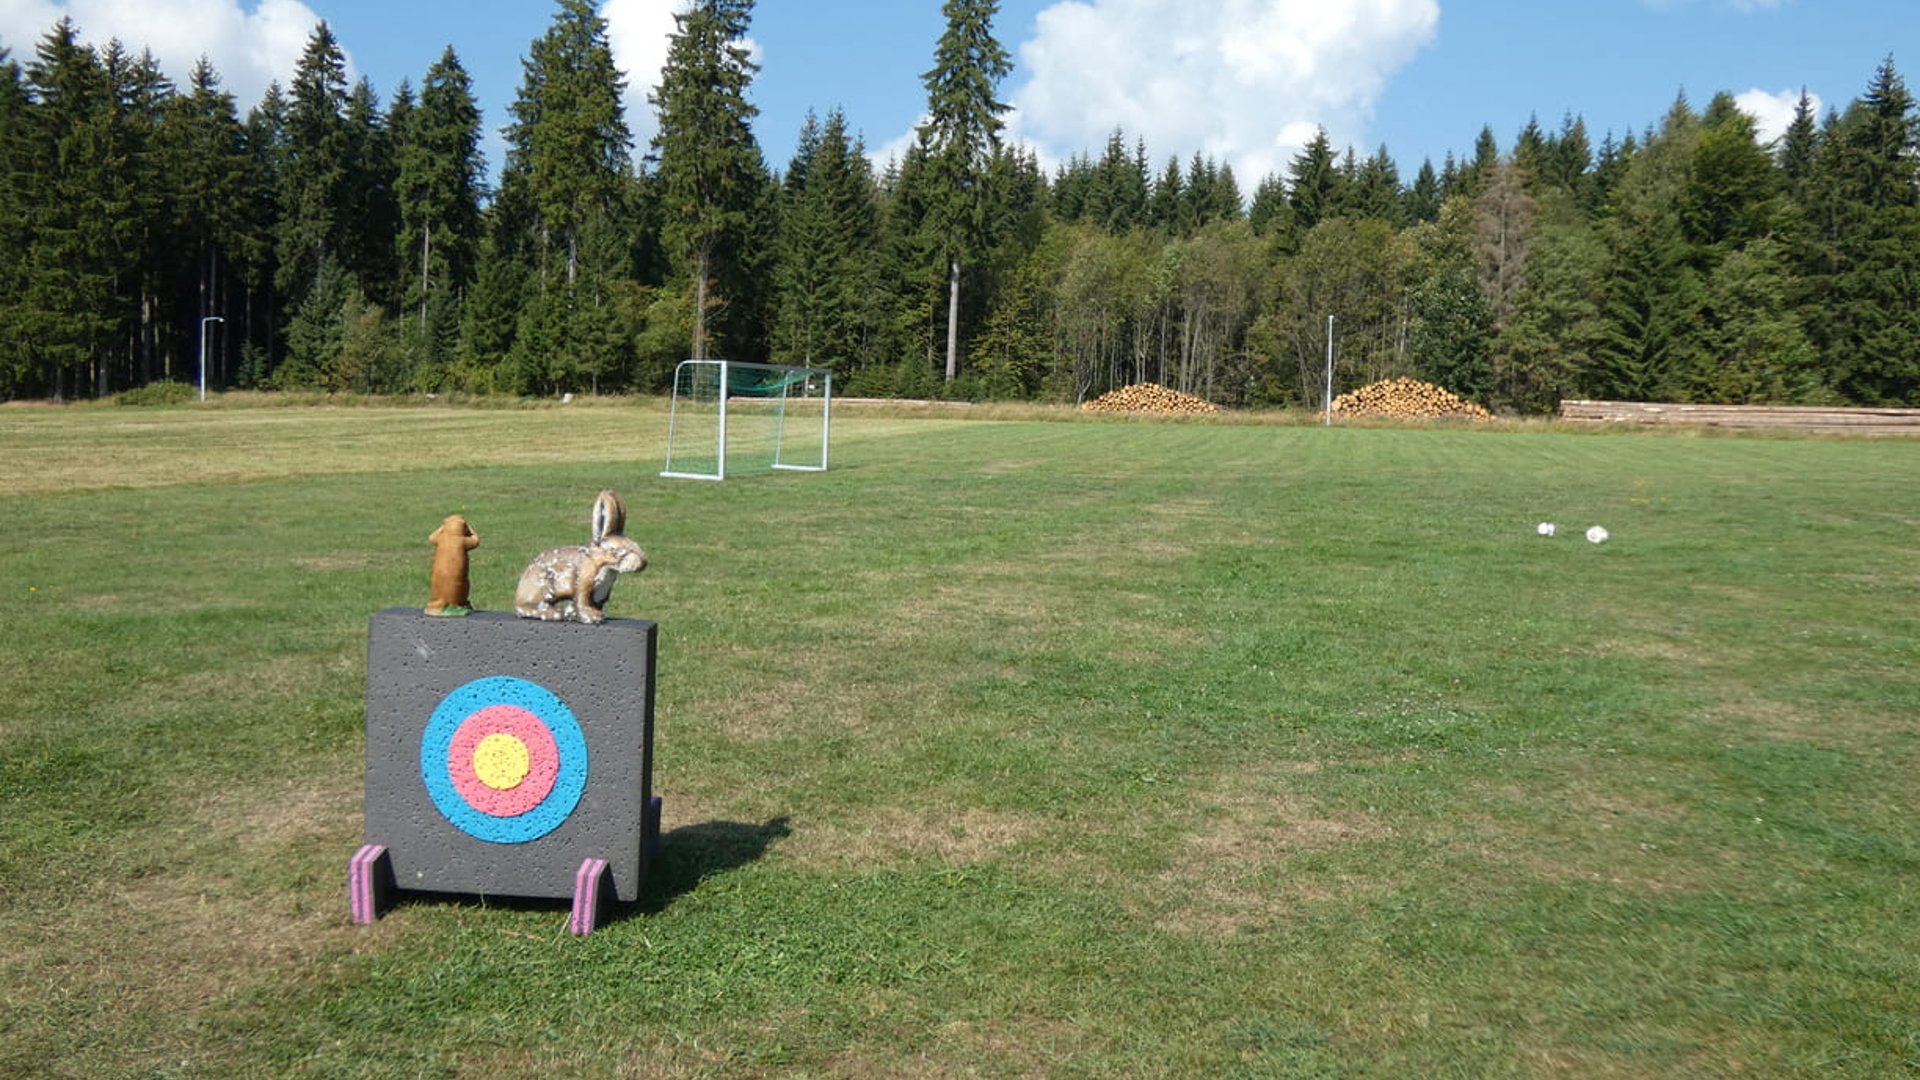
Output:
x,y
953,317
426,254
700,304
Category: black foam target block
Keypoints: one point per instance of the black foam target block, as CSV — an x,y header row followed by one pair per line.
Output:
x,y
502,753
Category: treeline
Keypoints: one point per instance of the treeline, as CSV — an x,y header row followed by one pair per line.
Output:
x,y
329,240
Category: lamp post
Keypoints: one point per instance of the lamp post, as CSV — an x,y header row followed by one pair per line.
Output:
x,y
203,352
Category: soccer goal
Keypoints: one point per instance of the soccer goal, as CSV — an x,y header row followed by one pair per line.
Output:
x,y
728,418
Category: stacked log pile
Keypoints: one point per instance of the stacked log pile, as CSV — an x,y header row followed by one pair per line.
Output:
x,y
1150,398
1848,421
1408,399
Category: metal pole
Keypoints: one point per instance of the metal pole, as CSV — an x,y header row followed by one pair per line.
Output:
x,y
1329,397
203,352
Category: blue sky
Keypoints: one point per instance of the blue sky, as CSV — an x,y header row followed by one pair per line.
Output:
x,y
1245,81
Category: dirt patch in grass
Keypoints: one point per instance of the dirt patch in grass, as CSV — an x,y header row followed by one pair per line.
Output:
x,y
1601,828
1013,1046
1230,874
1743,714
891,835
239,891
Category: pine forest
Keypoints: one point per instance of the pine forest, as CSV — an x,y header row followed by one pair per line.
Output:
x,y
331,239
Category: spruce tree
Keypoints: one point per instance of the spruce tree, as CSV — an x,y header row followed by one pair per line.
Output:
x,y
1313,183
370,212
709,172
16,163
1797,146
1730,195
440,179
1376,190
266,147
962,134
70,302
568,145
1568,156
1653,284
1226,204
1166,209
1269,215
313,165
1202,177
1864,209
202,149
1422,200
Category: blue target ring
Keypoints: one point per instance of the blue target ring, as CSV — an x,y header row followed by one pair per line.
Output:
x,y
436,770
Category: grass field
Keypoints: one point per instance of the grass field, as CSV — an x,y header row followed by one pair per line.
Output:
x,y
1005,748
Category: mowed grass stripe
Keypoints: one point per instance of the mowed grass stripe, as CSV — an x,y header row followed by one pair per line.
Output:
x,y
1004,747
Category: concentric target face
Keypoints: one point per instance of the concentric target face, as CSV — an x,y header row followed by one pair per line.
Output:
x,y
504,760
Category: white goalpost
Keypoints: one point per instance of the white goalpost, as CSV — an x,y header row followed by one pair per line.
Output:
x,y
728,417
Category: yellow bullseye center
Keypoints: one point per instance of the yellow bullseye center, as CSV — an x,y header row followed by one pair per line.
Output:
x,y
501,761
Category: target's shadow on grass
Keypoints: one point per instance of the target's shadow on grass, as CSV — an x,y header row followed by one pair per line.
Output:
x,y
691,854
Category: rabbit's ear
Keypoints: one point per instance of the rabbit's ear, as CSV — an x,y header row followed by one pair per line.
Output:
x,y
609,516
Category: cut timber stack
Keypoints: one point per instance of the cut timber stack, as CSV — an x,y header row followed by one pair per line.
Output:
x,y
1149,398
1408,399
1751,417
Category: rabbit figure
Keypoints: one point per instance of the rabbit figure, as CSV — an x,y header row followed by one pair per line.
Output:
x,y
574,582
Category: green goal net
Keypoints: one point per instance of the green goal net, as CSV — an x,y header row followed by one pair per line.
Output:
x,y
727,418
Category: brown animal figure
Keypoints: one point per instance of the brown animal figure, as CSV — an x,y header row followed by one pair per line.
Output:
x,y
447,590
575,582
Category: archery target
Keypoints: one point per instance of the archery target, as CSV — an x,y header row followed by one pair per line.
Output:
x,y
504,760
502,753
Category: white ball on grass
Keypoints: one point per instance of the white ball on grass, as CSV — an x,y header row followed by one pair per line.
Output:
x,y
1597,534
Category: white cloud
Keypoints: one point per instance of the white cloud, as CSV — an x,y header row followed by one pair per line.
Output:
x,y
1772,112
248,49
639,31
1245,81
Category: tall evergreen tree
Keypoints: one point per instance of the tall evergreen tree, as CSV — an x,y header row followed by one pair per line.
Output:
x,y
1730,196
1530,151
1486,158
1653,283
370,211
1422,200
313,164
827,235
1313,183
202,148
440,171
962,134
1166,209
1796,147
568,145
16,164
1376,190
266,146
1269,215
1568,156
1864,210
70,288
142,95
710,170
1226,203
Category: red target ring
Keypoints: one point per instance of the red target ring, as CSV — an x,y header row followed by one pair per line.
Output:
x,y
518,768
503,760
